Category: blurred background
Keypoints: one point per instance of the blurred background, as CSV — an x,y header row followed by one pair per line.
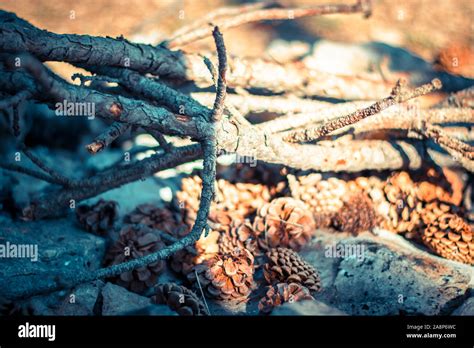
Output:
x,y
435,30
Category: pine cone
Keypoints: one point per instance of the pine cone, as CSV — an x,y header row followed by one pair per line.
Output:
x,y
227,277
163,219
180,299
322,197
182,261
267,174
97,218
357,215
282,293
286,266
134,242
240,199
284,222
238,237
205,248
449,236
403,206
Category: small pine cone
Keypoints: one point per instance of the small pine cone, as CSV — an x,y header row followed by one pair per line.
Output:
x,y
182,261
180,299
281,293
189,196
205,248
239,237
284,222
322,197
357,215
162,219
451,237
286,266
134,242
240,199
403,209
269,175
227,277
97,218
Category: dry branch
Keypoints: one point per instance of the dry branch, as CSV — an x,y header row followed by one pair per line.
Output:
x,y
397,96
112,132
245,16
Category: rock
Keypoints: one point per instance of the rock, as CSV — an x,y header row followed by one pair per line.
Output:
x,y
306,308
467,308
60,246
118,301
385,275
81,300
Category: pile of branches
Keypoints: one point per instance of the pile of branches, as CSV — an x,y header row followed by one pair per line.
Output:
x,y
138,87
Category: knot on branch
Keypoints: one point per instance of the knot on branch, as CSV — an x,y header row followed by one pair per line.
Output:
x,y
116,109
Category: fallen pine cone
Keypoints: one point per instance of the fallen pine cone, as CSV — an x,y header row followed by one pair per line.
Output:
x,y
451,237
356,215
240,199
403,206
227,277
205,248
284,222
286,266
97,218
163,219
180,299
322,197
136,241
238,238
281,293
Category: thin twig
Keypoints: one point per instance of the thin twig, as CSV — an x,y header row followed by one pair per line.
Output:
x,y
211,16
164,144
440,137
221,89
267,14
115,130
202,292
398,95
33,173
60,179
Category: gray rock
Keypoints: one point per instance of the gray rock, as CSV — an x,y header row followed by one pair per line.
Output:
x,y
62,249
467,308
81,300
385,275
117,300
306,308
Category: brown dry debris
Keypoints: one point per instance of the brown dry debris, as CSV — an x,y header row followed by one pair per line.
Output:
x,y
286,266
180,299
134,242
